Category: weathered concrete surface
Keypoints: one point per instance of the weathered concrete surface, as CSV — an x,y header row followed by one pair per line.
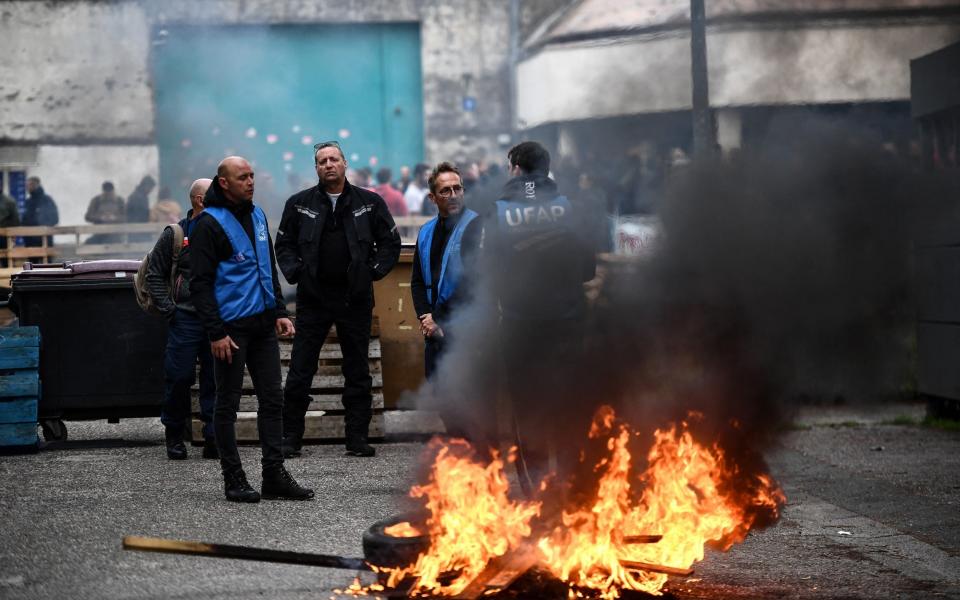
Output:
x,y
66,509
79,71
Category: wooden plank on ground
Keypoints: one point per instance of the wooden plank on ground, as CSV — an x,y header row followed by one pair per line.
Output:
x,y
319,427
18,410
19,383
500,573
324,402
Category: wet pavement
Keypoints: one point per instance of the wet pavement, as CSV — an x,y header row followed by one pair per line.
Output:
x,y
873,512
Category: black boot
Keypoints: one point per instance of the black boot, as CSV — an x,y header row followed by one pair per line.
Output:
x,y
279,485
210,448
236,488
175,448
291,446
357,446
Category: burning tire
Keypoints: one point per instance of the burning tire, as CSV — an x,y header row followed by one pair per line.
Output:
x,y
400,549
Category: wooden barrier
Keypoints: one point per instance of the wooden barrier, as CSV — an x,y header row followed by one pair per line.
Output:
x,y
124,247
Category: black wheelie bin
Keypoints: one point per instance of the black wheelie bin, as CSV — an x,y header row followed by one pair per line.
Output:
x,y
101,356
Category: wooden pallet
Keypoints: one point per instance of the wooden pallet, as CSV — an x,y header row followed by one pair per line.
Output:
x,y
325,415
19,388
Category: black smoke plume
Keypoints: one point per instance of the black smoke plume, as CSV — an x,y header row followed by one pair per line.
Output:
x,y
781,274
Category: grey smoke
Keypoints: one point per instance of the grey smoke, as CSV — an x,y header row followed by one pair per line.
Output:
x,y
783,275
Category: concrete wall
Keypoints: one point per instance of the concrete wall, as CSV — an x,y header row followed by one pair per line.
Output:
x,y
816,64
74,72
77,73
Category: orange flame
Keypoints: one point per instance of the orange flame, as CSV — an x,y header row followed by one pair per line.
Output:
x,y
684,499
403,529
472,521
689,494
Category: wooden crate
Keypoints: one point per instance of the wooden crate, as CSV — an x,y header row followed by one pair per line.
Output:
x,y
325,415
19,387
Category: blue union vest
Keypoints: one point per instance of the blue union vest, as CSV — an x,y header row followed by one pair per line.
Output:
x,y
451,266
244,285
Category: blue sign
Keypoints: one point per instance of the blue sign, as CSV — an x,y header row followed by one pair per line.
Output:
x,y
469,103
18,187
18,191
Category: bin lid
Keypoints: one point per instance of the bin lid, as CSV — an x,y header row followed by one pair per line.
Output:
x,y
87,269
90,270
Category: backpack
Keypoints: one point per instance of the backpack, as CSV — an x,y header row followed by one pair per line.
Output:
x,y
140,279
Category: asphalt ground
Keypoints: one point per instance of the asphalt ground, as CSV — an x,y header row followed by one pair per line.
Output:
x,y
873,512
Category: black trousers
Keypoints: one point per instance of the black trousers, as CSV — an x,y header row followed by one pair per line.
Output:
x,y
314,320
547,388
260,353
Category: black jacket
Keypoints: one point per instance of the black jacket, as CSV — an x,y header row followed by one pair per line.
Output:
x,y
371,234
158,272
209,245
40,209
539,275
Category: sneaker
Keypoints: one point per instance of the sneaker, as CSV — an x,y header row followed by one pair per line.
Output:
x,y
280,485
176,450
210,449
236,488
360,448
291,446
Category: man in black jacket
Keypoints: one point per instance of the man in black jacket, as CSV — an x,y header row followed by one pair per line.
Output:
x,y
541,246
186,338
334,241
235,290
39,209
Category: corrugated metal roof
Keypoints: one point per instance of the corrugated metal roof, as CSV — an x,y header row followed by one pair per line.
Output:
x,y
595,17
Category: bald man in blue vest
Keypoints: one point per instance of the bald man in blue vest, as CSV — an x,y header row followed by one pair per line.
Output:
x,y
236,292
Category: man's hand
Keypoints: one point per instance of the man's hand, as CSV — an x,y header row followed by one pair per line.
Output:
x,y
429,328
285,327
223,349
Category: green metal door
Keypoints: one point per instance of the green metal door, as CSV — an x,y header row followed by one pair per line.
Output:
x,y
269,93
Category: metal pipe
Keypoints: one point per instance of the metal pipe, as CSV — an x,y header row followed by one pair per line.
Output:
x,y
704,128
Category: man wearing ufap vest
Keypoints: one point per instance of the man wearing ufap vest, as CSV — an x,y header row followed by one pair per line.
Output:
x,y
540,254
235,290
334,241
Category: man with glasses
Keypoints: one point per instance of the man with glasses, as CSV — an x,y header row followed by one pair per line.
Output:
x,y
446,249
334,241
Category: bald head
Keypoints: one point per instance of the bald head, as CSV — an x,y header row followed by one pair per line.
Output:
x,y
197,191
235,177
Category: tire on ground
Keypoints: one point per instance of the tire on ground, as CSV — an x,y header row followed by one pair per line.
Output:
x,y
384,550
